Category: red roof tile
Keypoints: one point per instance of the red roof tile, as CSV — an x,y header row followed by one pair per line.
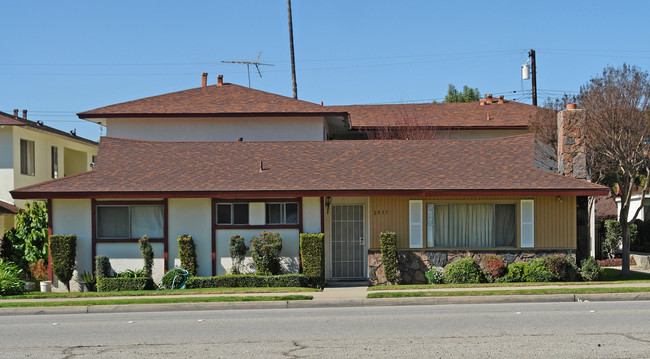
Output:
x,y
470,114
218,168
211,100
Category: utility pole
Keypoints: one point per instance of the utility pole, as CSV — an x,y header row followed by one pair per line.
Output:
x,y
533,68
293,60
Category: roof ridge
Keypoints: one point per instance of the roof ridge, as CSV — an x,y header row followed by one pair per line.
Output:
x,y
42,126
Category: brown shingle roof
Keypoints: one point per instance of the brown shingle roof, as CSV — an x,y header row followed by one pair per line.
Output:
x,y
9,120
7,208
211,100
470,114
138,168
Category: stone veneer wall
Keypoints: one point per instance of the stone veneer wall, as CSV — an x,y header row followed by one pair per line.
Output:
x,y
413,264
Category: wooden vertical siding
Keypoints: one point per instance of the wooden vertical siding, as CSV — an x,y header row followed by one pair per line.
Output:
x,y
555,220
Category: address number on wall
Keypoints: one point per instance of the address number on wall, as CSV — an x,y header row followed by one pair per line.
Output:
x,y
380,212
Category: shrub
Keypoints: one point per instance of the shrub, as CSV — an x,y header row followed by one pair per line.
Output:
x,y
89,280
563,267
175,278
130,273
29,237
590,270
10,279
6,249
613,236
187,253
610,262
124,284
240,280
64,251
312,254
238,251
435,275
147,255
493,267
536,271
389,255
38,270
515,273
464,271
103,267
266,250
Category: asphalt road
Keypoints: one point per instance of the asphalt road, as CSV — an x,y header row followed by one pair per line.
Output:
x,y
531,330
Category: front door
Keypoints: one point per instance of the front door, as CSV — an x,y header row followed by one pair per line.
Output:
x,y
348,242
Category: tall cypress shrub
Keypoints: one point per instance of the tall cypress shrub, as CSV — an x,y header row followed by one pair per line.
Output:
x,y
187,253
389,255
312,254
64,251
238,251
266,250
147,255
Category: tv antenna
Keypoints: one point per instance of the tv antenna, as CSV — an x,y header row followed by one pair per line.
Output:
x,y
248,64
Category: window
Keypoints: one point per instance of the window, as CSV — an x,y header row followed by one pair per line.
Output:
x,y
232,213
27,157
130,221
471,225
55,162
282,213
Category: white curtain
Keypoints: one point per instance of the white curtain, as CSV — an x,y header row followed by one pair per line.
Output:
x,y
460,225
113,221
147,219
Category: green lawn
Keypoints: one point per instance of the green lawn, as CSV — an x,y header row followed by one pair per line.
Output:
x,y
587,290
155,301
610,276
39,295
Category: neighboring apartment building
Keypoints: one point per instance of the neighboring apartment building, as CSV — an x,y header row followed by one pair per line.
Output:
x,y
30,153
220,160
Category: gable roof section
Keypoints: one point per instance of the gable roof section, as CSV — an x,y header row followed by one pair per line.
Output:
x,y
131,168
444,115
215,100
7,208
9,120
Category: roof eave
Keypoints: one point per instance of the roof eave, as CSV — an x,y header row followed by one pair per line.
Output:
x,y
84,115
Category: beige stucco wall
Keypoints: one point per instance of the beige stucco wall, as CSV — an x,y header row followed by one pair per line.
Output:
x,y
6,163
218,129
191,216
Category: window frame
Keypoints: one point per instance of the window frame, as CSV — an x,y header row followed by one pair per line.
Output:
x,y
232,214
54,162
283,213
130,239
425,224
217,201
27,157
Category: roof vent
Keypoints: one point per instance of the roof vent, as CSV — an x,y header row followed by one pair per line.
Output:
x,y
240,139
501,101
25,114
204,79
220,80
15,112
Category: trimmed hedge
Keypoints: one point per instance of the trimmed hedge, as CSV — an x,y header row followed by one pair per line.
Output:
x,y
103,267
238,251
147,255
464,270
64,251
389,255
187,253
246,280
266,249
124,284
312,254
590,269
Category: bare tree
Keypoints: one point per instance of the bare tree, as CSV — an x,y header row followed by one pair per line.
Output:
x,y
544,121
617,135
410,124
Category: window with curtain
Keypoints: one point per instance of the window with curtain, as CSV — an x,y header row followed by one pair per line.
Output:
x,y
27,157
130,221
55,161
471,225
282,213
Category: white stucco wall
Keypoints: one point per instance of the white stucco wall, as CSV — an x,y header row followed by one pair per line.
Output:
x,y
72,216
311,215
218,129
635,203
6,163
191,216
125,256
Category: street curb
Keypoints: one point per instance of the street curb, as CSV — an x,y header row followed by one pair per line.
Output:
x,y
327,303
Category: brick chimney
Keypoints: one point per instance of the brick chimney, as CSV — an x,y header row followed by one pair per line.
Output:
x,y
501,99
572,159
204,79
15,113
25,114
220,80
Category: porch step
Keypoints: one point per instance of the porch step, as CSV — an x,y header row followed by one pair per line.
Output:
x,y
347,283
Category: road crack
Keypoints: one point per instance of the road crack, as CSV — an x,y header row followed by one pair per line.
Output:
x,y
291,353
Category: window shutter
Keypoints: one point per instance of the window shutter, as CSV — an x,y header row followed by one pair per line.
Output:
x,y
415,224
527,223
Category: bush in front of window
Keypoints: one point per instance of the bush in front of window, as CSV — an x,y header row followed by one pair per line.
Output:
x,y
238,251
435,275
187,253
590,270
147,255
312,254
266,250
240,280
494,267
389,255
63,250
464,270
563,267
124,284
536,271
103,267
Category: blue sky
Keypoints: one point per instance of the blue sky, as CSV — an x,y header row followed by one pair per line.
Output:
x,y
60,58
